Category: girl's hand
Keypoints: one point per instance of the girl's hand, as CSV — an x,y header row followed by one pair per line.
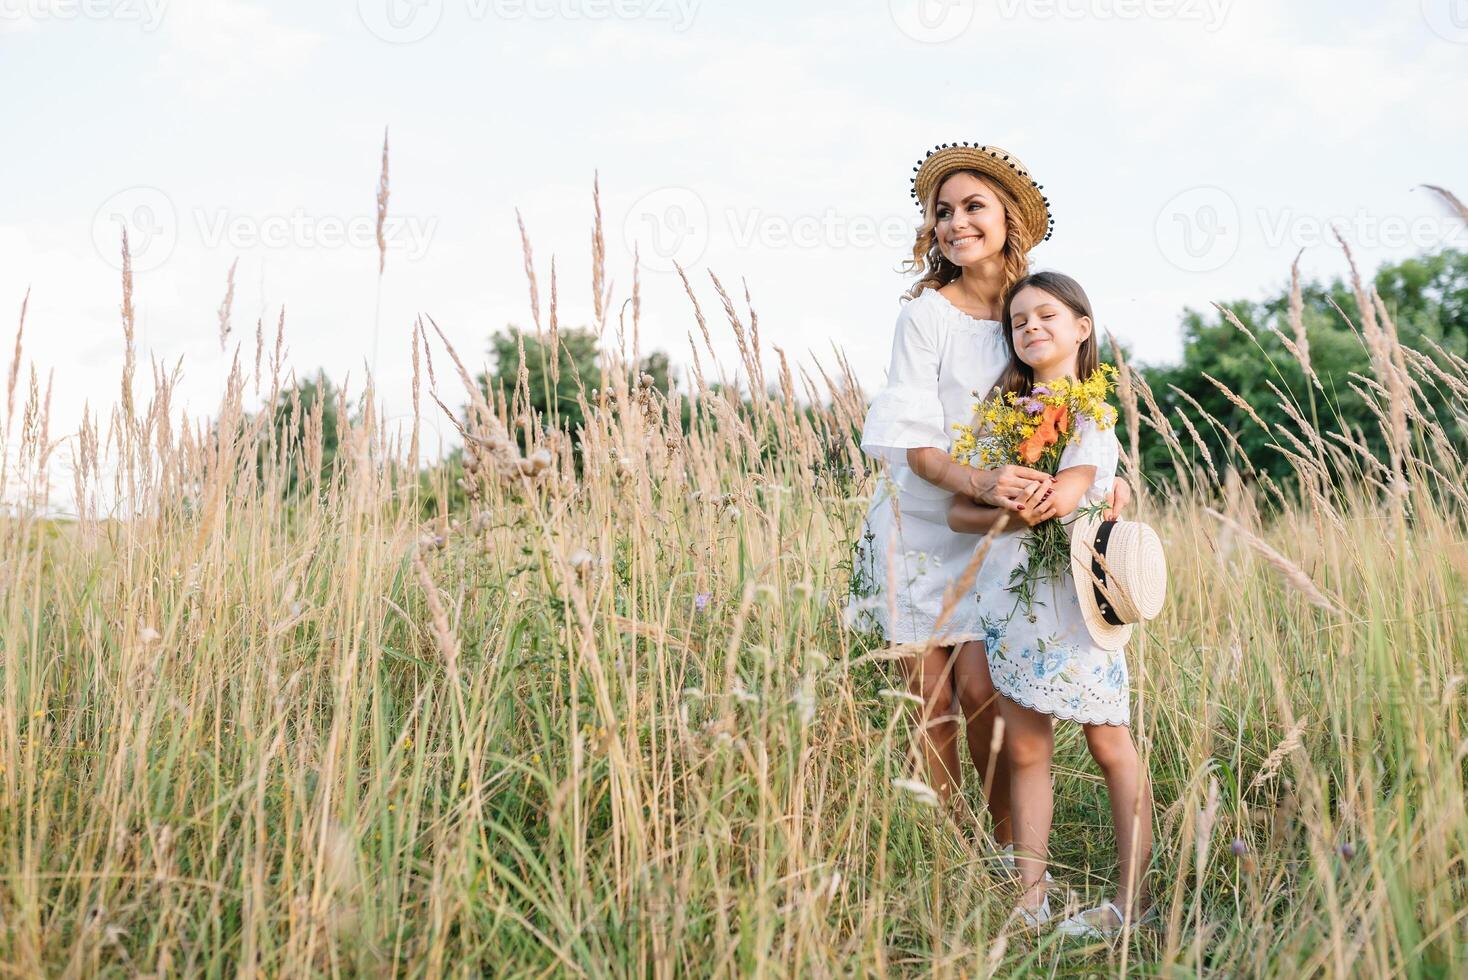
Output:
x,y
1038,506
1117,497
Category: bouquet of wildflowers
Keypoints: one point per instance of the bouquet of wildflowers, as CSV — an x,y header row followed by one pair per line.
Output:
x,y
1033,430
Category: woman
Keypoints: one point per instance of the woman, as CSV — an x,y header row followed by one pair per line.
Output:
x,y
982,213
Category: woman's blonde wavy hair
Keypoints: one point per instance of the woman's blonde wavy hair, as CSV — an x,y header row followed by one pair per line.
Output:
x,y
933,270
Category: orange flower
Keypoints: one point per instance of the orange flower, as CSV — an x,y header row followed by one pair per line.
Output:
x,y
1053,421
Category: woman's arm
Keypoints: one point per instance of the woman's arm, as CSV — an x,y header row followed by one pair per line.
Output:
x,y
967,517
1005,486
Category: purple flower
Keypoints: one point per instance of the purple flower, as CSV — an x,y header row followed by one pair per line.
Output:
x,y
701,600
1348,850
1042,390
1239,847
1032,405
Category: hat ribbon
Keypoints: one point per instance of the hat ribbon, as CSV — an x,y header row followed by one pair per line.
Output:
x,y
1103,534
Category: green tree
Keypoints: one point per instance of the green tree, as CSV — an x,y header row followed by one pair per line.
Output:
x,y
556,401
1427,298
289,442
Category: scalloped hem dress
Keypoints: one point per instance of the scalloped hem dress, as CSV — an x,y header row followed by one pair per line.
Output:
x,y
1043,657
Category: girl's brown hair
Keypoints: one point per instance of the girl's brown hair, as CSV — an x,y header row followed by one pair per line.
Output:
x,y
1018,376
935,270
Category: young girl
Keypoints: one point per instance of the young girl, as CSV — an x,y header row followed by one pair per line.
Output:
x,y
1042,659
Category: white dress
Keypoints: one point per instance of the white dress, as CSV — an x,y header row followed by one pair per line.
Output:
x,y
1044,658
906,553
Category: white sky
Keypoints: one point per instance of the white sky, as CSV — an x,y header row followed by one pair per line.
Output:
x,y
1189,148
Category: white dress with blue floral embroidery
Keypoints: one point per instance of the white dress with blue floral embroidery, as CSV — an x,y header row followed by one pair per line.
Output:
x,y
1043,657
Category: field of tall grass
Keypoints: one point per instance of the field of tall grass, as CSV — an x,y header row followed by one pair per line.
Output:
x,y
608,720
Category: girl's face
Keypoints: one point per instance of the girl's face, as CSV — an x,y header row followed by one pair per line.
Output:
x,y
1047,334
969,220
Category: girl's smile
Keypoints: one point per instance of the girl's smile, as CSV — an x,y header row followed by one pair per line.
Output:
x,y
1047,335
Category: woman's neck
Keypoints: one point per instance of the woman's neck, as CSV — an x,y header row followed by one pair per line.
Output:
x,y
980,288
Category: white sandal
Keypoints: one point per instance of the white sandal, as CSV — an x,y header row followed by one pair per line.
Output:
x,y
1081,926
1034,918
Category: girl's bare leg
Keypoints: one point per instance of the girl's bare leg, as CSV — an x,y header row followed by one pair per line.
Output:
x,y
1029,740
1131,810
980,703
930,677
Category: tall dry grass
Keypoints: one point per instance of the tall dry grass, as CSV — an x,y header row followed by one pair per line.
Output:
x,y
608,721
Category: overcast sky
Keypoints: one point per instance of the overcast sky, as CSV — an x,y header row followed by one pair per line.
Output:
x,y
1189,148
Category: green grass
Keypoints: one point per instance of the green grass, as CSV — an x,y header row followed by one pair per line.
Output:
x,y
519,760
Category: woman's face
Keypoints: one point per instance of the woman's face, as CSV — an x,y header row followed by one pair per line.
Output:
x,y
1046,333
970,224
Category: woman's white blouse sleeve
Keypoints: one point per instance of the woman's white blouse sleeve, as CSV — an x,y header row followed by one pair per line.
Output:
x,y
1090,445
907,414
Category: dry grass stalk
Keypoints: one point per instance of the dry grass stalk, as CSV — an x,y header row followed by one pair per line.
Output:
x,y
599,298
530,275
1300,346
1126,393
129,319
1291,572
1198,441
1282,751
382,196
1237,402
15,363
227,306
555,328
1450,199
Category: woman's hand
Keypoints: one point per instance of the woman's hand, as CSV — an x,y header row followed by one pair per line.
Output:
x,y
1117,497
1009,486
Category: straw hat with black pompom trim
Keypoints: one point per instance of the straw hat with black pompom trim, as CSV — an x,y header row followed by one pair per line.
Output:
x,y
1120,574
997,164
